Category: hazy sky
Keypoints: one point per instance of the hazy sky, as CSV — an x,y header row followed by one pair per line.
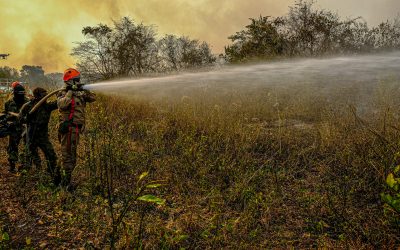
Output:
x,y
42,32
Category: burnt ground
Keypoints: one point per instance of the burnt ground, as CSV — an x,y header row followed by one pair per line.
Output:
x,y
19,219
30,209
34,214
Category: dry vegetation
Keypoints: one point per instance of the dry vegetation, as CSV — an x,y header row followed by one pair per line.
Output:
x,y
275,167
295,165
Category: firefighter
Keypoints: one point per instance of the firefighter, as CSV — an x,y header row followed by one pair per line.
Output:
x,y
12,107
37,133
71,105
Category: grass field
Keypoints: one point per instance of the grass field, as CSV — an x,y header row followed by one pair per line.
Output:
x,y
270,167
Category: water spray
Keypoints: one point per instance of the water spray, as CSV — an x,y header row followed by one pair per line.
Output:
x,y
323,72
327,72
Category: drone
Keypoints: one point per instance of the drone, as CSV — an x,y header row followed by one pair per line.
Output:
x,y
4,56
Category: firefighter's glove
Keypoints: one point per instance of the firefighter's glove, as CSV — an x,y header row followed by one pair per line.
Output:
x,y
73,87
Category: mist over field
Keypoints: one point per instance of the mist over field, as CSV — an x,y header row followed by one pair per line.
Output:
x,y
352,79
321,74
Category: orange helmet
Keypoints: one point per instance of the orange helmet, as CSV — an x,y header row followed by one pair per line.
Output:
x,y
14,84
71,74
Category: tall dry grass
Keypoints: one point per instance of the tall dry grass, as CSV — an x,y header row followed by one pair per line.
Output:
x,y
269,167
273,167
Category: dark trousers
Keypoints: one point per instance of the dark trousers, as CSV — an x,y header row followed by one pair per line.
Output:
x,y
13,142
43,143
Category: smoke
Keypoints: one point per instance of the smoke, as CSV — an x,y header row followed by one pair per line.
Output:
x,y
35,33
61,22
373,11
42,32
53,56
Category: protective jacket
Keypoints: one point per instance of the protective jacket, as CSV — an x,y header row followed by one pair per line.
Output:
x,y
15,133
72,105
38,120
37,135
12,105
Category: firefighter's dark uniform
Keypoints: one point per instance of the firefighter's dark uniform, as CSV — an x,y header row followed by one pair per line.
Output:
x,y
37,134
14,105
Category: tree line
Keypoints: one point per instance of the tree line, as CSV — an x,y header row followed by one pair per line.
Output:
x,y
130,49
307,31
34,75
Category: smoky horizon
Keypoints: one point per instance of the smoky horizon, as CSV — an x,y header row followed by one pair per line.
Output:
x,y
48,35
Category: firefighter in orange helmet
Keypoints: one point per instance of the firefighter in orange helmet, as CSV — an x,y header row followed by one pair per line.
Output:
x,y
14,84
71,104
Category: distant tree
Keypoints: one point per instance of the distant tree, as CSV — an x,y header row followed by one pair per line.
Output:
x,y
134,48
131,49
33,75
182,52
125,49
54,80
387,35
205,54
308,31
8,72
95,55
194,53
171,52
260,39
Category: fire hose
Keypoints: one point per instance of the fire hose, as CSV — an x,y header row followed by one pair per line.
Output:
x,y
4,127
37,105
44,99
